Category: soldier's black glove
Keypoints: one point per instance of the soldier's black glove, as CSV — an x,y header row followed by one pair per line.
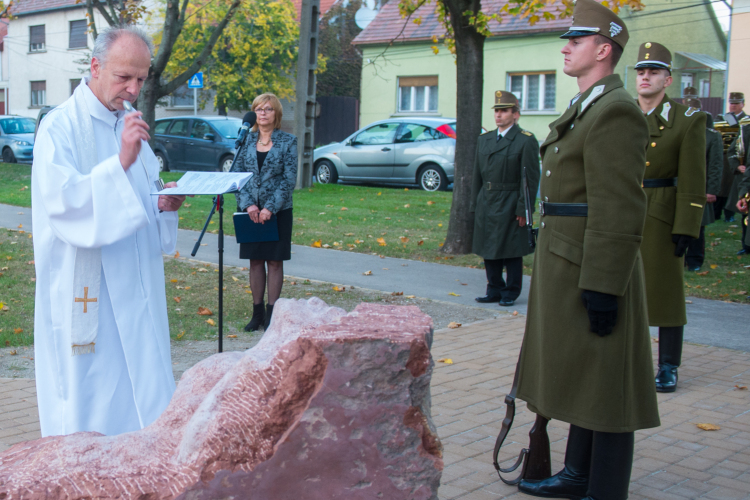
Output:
x,y
681,242
602,309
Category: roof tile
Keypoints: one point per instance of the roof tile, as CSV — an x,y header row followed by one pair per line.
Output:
x,y
389,26
28,6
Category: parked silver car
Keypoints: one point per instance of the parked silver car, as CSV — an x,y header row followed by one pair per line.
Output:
x,y
404,150
17,139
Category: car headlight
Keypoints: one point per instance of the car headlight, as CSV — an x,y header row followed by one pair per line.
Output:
x,y
22,143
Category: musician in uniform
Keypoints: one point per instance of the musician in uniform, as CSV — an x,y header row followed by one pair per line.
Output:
x,y
675,183
696,251
586,355
736,107
743,202
737,156
504,156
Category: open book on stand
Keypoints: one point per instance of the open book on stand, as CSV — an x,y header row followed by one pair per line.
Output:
x,y
208,183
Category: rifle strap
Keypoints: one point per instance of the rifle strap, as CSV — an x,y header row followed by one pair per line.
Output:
x,y
510,413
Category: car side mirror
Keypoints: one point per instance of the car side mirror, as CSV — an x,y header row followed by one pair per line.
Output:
x,y
209,137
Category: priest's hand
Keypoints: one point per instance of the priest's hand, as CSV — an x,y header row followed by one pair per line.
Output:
x,y
264,215
169,203
253,211
135,131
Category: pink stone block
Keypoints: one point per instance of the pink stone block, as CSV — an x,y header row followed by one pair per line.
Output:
x,y
328,405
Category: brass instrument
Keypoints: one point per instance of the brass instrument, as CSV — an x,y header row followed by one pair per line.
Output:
x,y
730,127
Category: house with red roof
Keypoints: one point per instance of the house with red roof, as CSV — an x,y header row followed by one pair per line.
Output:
x,y
401,74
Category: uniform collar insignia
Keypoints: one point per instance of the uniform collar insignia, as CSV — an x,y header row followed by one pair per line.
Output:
x,y
614,29
665,111
691,111
574,100
596,92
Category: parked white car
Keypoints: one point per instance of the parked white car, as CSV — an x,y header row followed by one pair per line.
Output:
x,y
403,150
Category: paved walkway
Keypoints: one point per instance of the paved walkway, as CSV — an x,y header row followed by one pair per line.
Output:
x,y
710,322
675,461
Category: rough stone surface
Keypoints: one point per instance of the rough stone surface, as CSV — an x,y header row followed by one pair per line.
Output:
x,y
328,405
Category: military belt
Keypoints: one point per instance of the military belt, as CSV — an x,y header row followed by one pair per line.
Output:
x,y
564,209
500,186
659,183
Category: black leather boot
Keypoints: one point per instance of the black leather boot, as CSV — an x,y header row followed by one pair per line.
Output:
x,y
670,357
573,481
611,464
269,313
258,318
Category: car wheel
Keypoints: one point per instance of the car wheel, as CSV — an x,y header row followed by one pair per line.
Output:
x,y
225,165
163,166
432,178
8,156
326,173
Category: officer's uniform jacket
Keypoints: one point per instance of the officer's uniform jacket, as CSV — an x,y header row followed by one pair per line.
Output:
x,y
595,153
677,148
497,195
744,189
714,170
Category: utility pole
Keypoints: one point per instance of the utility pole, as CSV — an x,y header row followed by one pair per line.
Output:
x,y
304,109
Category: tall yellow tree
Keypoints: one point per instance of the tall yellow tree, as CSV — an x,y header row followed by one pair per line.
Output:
x,y
256,53
466,24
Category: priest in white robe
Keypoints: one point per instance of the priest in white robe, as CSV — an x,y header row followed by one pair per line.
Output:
x,y
101,334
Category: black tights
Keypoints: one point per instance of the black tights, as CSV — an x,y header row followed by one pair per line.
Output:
x,y
258,280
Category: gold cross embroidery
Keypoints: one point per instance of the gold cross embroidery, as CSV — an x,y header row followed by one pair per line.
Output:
x,y
85,299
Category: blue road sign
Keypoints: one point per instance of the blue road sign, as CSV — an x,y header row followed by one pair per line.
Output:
x,y
196,81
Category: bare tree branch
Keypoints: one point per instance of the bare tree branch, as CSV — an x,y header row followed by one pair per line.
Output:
x,y
90,12
102,8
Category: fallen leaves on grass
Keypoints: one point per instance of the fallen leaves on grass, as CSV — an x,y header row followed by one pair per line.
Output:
x,y
13,352
338,288
235,278
454,325
173,281
17,330
181,334
177,299
714,266
232,336
317,244
515,313
31,262
367,273
740,387
344,209
454,294
404,239
447,361
708,427
202,270
410,296
348,234
177,254
396,294
430,202
420,243
326,246
204,311
3,307
703,273
381,242
211,322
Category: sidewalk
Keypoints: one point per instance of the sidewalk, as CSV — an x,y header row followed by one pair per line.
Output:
x,y
710,322
674,461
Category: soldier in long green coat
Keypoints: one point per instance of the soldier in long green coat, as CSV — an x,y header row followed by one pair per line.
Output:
x,y
696,251
586,355
743,202
504,156
675,183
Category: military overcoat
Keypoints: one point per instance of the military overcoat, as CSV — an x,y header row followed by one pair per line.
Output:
x,y
595,154
744,188
497,196
677,148
714,170
734,161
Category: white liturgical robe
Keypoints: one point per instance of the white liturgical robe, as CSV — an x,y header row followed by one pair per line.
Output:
x,y
127,382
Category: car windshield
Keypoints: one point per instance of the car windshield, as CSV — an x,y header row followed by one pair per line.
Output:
x,y
18,126
228,128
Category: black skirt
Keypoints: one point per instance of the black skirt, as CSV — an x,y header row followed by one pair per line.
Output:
x,y
272,250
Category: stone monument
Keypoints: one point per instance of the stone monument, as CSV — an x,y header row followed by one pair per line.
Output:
x,y
328,405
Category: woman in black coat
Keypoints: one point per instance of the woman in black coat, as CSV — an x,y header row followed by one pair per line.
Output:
x,y
271,155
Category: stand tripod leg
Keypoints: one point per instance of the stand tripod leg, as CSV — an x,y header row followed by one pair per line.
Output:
x,y
220,204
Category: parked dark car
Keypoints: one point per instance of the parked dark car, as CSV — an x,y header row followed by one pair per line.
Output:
x,y
196,142
17,139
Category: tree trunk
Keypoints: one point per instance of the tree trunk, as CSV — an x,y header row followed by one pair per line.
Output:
x,y
469,78
147,103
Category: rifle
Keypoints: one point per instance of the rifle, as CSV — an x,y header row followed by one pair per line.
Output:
x,y
535,460
529,212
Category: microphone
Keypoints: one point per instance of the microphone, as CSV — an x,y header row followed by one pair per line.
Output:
x,y
247,123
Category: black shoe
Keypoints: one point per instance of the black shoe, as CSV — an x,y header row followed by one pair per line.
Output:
x,y
258,318
561,485
693,268
666,378
742,252
269,313
507,302
488,299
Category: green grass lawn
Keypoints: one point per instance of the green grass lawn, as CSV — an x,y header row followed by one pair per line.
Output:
x,y
410,224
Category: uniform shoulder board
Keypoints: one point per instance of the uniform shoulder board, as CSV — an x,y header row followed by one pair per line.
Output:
x,y
489,132
691,111
526,132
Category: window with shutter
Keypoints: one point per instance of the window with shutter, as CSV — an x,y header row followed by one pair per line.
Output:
x,y
78,36
535,91
36,38
38,94
418,94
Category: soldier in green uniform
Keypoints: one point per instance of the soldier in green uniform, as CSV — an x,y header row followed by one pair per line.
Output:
x,y
504,156
696,251
737,156
675,183
736,107
586,355
743,202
